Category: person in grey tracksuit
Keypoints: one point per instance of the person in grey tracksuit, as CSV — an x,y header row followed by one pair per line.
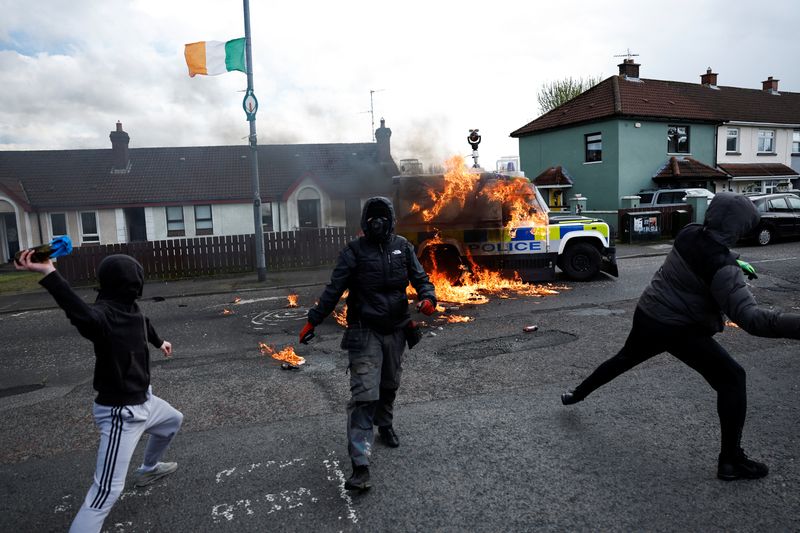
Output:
x,y
376,269
682,309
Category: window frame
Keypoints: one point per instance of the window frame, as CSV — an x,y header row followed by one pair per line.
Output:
x,y
268,227
94,237
795,142
53,232
762,136
204,231
589,139
175,232
677,128
735,138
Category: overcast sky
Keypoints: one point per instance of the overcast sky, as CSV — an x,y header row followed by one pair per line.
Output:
x,y
69,69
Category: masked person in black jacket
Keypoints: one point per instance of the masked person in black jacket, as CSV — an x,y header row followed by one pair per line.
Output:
x,y
682,309
125,406
376,270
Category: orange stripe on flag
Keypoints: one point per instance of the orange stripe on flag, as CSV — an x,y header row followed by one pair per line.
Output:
x,y
195,54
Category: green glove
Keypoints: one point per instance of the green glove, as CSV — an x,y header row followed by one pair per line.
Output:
x,y
748,269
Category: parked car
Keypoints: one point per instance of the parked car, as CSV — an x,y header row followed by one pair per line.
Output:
x,y
780,217
656,197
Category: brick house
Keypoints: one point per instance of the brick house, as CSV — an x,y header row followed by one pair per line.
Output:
x,y
629,133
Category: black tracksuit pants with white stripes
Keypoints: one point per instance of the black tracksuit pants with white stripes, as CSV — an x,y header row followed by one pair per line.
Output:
x,y
121,427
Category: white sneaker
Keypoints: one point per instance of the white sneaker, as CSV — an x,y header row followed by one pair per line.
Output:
x,y
143,478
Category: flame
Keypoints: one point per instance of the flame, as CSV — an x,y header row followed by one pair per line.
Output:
x,y
731,324
287,354
518,198
237,300
454,319
475,286
414,208
458,183
226,312
341,317
292,300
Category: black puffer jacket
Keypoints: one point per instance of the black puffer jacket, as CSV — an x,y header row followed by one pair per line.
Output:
x,y
376,275
116,327
700,279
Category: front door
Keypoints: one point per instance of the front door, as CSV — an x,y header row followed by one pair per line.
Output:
x,y
352,213
134,219
308,213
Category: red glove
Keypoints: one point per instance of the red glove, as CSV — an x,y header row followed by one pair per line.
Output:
x,y
307,333
426,307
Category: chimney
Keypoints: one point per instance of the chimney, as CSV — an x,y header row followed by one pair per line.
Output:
x,y
382,136
770,85
709,79
629,69
119,147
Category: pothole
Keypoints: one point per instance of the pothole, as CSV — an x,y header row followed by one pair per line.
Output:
x,y
20,389
504,345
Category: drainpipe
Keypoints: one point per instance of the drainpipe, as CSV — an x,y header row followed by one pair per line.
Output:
x,y
716,148
39,220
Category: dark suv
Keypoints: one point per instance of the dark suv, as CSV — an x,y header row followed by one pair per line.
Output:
x,y
780,217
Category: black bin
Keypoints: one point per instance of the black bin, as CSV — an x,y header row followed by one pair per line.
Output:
x,y
680,218
641,226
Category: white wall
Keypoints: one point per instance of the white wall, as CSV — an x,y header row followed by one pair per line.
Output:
x,y
748,145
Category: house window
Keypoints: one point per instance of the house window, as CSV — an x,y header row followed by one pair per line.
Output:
x,y
58,224
796,142
266,216
89,232
175,226
203,223
766,141
733,140
678,139
594,147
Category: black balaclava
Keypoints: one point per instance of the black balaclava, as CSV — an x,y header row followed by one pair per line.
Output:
x,y
121,279
730,216
377,219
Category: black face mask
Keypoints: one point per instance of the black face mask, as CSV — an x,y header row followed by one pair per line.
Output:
x,y
378,228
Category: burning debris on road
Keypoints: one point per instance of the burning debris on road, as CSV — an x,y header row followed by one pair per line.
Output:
x,y
226,312
287,355
292,298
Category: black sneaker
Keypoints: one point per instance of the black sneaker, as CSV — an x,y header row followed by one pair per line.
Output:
x,y
388,436
359,480
569,397
740,467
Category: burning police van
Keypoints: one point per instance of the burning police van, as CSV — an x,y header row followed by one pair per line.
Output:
x,y
465,218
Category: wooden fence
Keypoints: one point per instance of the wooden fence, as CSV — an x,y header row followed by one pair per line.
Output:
x,y
207,256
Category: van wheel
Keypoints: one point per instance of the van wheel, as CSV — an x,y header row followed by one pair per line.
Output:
x,y
765,235
446,260
580,261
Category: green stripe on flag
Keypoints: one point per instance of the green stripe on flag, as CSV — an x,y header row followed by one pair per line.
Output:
x,y
234,55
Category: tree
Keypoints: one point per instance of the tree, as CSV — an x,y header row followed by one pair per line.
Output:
x,y
556,93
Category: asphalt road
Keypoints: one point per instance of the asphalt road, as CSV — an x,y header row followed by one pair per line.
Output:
x,y
485,443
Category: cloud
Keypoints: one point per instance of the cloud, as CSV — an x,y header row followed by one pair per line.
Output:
x,y
440,68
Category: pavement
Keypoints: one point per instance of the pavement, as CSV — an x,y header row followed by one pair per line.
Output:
x,y
15,302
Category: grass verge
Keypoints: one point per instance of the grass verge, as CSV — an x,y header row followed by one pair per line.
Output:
x,y
11,282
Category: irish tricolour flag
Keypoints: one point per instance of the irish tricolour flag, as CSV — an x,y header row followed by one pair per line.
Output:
x,y
215,57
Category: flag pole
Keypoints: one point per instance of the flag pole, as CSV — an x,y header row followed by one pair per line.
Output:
x,y
261,263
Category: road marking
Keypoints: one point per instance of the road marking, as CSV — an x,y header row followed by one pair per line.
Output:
x,y
774,260
335,474
285,500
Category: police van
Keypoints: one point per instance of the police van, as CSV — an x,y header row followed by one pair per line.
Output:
x,y
483,227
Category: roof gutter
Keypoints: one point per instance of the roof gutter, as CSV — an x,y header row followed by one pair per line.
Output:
x,y
770,124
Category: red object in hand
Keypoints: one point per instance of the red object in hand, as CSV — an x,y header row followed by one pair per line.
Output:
x,y
306,333
426,307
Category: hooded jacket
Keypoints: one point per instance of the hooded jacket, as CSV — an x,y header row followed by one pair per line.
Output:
x,y
376,271
116,326
700,281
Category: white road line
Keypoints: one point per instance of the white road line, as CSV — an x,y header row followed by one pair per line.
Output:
x,y
774,260
335,474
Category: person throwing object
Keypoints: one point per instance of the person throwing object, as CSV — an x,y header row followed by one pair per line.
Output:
x,y
682,309
376,270
125,406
